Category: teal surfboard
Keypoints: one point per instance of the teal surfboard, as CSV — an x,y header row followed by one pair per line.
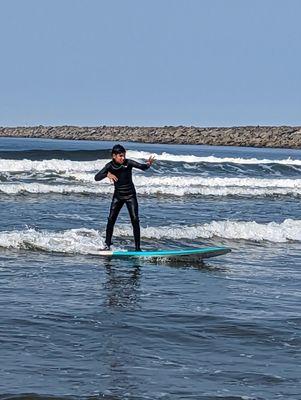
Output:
x,y
200,253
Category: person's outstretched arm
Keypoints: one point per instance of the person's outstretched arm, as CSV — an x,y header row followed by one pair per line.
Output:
x,y
102,173
142,166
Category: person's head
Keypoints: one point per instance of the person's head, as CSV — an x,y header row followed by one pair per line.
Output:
x,y
118,154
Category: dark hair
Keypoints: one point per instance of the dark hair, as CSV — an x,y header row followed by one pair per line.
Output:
x,y
118,149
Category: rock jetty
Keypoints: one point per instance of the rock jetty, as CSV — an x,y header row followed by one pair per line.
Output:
x,y
253,136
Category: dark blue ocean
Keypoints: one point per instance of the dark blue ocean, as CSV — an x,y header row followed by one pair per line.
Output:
x,y
76,326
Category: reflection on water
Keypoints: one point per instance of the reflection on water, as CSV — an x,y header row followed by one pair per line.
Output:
x,y
122,285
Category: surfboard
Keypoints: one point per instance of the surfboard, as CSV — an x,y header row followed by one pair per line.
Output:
x,y
199,253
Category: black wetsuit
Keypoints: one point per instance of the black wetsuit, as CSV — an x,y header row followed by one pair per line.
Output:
x,y
124,193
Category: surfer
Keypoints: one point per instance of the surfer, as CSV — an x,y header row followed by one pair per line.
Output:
x,y
119,172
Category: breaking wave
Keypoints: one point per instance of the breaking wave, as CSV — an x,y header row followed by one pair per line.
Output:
x,y
55,165
211,159
90,241
156,185
72,241
61,165
236,230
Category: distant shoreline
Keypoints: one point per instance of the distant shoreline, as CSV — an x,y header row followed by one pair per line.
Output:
x,y
249,136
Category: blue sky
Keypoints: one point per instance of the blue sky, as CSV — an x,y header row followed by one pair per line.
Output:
x,y
150,62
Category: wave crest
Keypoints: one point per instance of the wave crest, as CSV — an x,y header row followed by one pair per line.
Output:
x,y
236,230
170,186
89,241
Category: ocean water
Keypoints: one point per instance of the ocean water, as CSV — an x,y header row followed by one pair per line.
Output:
x,y
76,326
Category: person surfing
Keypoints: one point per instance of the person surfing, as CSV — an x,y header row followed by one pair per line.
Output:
x,y
119,172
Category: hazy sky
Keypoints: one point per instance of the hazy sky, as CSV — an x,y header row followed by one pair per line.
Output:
x,y
150,62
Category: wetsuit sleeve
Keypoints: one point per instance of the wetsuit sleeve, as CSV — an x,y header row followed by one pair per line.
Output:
x,y
102,173
138,165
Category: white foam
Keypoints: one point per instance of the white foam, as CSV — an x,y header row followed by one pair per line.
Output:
x,y
172,186
80,241
41,188
90,241
210,159
272,232
61,166
54,165
189,181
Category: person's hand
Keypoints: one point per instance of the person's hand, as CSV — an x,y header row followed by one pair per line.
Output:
x,y
113,178
151,160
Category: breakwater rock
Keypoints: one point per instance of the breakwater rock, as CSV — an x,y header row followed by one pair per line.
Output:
x,y
254,136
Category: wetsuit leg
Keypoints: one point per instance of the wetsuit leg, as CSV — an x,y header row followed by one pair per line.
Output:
x,y
132,206
116,206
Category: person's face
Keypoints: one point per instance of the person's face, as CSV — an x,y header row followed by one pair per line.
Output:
x,y
119,158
